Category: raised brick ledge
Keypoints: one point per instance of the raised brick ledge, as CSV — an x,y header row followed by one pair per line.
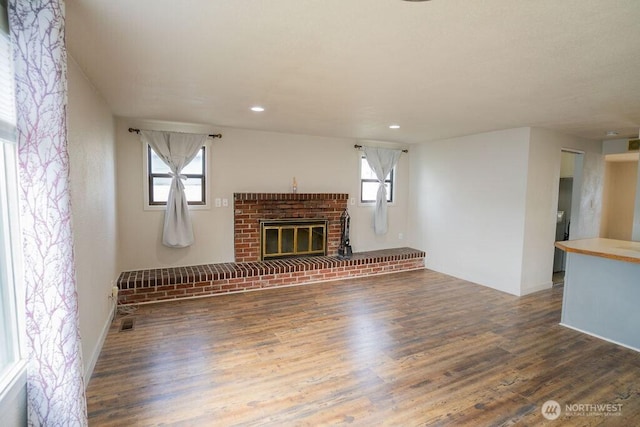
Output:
x,y
224,271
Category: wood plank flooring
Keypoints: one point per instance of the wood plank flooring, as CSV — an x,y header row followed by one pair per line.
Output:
x,y
407,349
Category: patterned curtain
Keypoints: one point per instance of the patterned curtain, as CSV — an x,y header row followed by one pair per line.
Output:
x,y
55,386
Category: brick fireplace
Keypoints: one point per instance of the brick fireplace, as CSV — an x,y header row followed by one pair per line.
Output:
x,y
248,273
250,208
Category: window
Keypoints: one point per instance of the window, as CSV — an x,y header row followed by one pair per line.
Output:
x,y
369,183
11,293
159,180
9,256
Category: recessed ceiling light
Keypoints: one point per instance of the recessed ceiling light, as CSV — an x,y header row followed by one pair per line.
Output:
x,y
257,109
394,126
612,133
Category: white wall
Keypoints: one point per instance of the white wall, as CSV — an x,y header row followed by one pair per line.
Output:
x,y
590,211
244,161
91,131
468,206
483,206
545,153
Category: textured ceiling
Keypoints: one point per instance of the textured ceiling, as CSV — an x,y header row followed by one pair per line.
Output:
x,y
350,68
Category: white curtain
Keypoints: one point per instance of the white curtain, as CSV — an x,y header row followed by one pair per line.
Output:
x,y
381,161
176,150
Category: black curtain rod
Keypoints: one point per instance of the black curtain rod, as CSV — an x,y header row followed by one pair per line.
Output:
x,y
216,135
360,146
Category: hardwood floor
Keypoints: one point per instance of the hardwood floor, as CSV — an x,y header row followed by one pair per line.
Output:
x,y
416,348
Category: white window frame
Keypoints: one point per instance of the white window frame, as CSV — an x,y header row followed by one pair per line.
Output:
x,y
145,179
12,293
394,182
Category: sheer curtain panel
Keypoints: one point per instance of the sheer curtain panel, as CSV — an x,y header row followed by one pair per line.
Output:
x,y
176,150
381,161
55,385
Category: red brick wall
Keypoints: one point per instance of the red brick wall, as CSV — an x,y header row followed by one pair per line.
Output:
x,y
250,208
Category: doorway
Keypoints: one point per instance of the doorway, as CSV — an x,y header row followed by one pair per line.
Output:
x,y
568,187
619,196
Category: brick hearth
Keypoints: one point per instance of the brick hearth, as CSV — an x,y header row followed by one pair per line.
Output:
x,y
146,286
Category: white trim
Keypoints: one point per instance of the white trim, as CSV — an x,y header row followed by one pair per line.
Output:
x,y
13,397
88,372
536,288
11,251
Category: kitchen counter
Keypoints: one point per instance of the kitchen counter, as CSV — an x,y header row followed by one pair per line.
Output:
x,y
621,250
602,289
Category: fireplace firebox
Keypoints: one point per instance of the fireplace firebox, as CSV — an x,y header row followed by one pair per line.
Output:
x,y
250,208
285,238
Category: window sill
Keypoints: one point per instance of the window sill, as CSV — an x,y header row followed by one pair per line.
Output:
x,y
13,388
164,207
367,204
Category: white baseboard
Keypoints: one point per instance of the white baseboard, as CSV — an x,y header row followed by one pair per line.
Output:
x,y
98,349
537,288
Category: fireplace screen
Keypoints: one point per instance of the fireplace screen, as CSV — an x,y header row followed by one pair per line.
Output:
x,y
290,238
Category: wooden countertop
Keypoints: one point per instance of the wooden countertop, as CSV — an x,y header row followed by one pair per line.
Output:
x,y
621,250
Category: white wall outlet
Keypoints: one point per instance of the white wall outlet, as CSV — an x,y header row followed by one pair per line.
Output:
x,y
225,203
353,200
218,202
114,293
400,236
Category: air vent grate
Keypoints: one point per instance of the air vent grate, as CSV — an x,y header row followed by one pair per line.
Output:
x,y
127,324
